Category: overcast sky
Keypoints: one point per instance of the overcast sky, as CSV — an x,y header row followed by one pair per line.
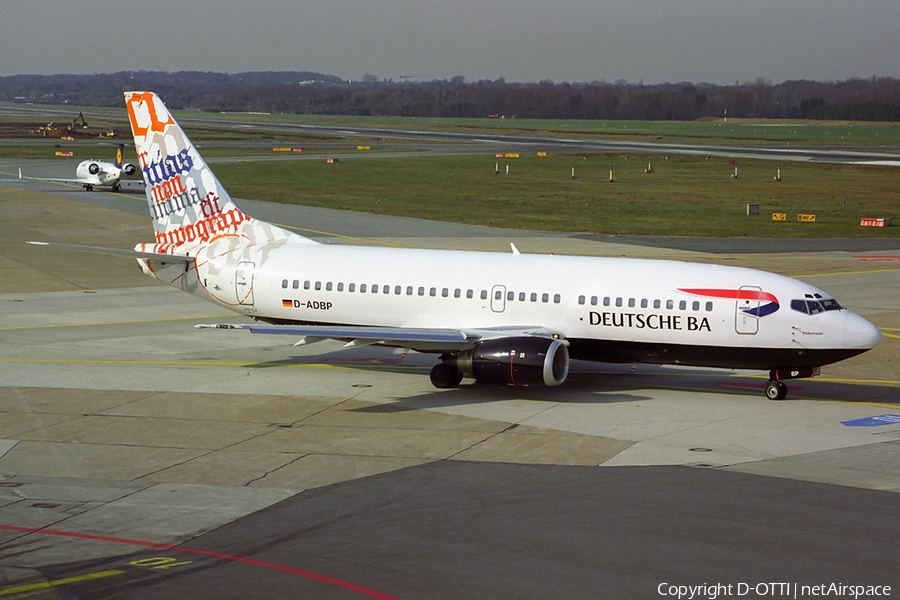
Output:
x,y
718,41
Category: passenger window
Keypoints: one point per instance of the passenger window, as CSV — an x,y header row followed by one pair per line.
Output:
x,y
510,296
695,306
421,291
618,301
657,304
328,287
580,299
522,297
445,292
799,306
306,285
484,294
670,304
375,288
398,290
432,292
284,283
498,295
545,297
631,303
470,294
457,293
644,303
682,305
593,300
409,290
340,287
556,298
351,288
533,297
606,301
709,307
362,288
318,285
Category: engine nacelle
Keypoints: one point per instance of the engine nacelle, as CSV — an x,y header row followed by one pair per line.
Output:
x,y
129,169
516,361
93,168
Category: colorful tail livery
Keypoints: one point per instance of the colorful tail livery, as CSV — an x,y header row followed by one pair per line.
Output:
x,y
511,318
188,205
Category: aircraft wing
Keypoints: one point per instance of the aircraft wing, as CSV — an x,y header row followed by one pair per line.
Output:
x,y
417,338
119,252
122,182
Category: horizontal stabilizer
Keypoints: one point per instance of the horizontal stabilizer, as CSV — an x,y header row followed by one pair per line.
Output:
x,y
119,252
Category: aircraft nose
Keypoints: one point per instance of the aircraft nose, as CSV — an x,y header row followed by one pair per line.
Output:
x,y
859,333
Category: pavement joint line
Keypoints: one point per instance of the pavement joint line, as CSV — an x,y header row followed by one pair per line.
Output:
x,y
56,582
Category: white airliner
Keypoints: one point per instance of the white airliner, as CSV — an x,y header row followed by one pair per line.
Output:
x,y
511,318
90,173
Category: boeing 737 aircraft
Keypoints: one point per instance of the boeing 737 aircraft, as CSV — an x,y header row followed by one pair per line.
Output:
x,y
512,318
90,173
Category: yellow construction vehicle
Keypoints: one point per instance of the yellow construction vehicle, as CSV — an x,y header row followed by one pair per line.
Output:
x,y
80,117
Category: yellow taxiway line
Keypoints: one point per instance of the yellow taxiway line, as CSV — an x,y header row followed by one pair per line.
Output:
x,y
48,584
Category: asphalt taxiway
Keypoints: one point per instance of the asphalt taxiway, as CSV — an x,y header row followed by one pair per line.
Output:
x,y
142,458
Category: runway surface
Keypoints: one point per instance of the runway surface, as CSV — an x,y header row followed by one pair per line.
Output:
x,y
142,458
464,143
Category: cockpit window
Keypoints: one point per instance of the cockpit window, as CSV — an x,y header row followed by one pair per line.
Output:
x,y
831,304
799,306
813,307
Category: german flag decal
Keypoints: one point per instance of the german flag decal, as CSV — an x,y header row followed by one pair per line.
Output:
x,y
287,303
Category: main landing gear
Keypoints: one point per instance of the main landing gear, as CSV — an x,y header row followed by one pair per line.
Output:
x,y
445,376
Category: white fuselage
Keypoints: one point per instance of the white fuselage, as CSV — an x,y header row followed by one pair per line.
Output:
x,y
610,309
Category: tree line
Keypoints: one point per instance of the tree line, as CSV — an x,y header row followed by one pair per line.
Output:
x,y
862,99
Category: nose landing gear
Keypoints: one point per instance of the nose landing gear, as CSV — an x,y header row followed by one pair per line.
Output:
x,y
776,390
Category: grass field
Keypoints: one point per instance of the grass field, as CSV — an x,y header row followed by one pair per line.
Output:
x,y
690,196
685,195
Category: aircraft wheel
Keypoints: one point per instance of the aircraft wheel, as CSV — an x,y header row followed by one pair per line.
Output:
x,y
116,188
776,390
89,188
445,376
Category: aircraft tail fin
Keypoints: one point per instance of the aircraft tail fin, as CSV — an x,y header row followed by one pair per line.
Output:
x,y
188,205
119,155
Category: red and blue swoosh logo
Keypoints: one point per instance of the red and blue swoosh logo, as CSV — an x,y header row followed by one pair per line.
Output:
x,y
768,302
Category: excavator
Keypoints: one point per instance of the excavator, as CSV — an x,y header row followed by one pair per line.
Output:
x,y
80,117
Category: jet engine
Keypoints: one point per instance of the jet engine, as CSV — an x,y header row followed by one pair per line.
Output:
x,y
93,168
129,169
516,361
